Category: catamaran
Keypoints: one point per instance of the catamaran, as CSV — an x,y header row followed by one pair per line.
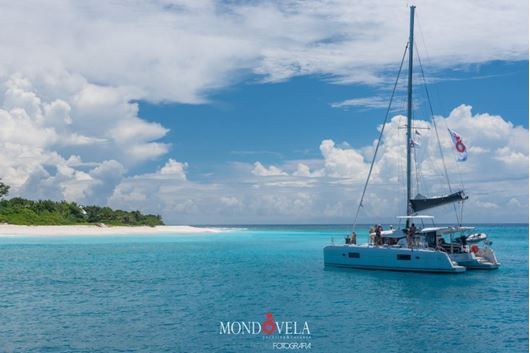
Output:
x,y
417,244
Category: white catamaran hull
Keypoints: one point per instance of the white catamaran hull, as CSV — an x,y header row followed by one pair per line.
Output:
x,y
389,258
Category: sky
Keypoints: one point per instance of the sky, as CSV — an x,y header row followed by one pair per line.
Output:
x,y
242,112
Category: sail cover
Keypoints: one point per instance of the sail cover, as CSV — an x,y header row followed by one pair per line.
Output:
x,y
420,202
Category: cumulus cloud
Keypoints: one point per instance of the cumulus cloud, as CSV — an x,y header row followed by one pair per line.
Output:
x,y
342,162
76,147
260,170
303,170
70,124
67,138
174,169
328,189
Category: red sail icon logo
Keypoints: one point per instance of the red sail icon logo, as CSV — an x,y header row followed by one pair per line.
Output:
x,y
268,326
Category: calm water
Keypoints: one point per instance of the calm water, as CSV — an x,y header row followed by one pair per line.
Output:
x,y
169,293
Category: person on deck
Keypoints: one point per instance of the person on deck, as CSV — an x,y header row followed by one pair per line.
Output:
x,y
410,235
378,238
353,238
440,243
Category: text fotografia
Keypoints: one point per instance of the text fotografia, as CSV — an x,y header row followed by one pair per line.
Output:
x,y
291,345
279,333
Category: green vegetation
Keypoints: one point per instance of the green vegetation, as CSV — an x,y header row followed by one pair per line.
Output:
x,y
45,212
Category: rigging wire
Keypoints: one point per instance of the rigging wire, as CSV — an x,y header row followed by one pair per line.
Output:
x,y
400,168
415,150
458,218
417,170
419,150
380,137
420,147
437,96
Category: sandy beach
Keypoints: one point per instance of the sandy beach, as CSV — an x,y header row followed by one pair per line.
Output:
x,y
73,230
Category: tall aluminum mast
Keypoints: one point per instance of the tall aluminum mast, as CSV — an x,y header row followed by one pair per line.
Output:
x,y
409,116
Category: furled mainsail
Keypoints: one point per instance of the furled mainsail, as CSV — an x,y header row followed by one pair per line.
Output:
x,y
420,202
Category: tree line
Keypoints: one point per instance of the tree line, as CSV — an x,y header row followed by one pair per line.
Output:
x,y
22,211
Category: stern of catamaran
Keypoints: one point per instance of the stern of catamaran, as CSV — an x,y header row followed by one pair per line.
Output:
x,y
471,250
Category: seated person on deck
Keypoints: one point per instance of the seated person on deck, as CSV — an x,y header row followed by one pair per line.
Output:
x,y
440,245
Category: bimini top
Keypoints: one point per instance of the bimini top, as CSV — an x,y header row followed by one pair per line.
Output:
x,y
446,230
417,216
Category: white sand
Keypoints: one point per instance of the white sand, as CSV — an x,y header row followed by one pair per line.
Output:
x,y
12,230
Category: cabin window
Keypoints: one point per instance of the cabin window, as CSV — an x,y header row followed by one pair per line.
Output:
x,y
354,255
403,257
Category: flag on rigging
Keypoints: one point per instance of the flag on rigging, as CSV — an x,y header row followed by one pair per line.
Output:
x,y
415,142
459,146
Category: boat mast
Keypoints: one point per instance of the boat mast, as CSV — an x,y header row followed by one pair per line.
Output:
x,y
409,115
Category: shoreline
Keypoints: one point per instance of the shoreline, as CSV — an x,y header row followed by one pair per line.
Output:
x,y
84,230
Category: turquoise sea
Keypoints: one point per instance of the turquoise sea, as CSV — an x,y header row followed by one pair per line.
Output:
x,y
169,293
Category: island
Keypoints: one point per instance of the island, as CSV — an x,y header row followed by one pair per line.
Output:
x,y
46,212
20,216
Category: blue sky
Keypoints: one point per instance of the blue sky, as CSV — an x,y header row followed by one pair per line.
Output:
x,y
260,111
272,122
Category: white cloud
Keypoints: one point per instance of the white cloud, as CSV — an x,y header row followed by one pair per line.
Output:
x,y
260,170
136,129
365,102
486,204
303,170
230,201
80,147
509,143
70,75
180,51
174,169
342,162
106,177
515,203
328,189
57,113
48,143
